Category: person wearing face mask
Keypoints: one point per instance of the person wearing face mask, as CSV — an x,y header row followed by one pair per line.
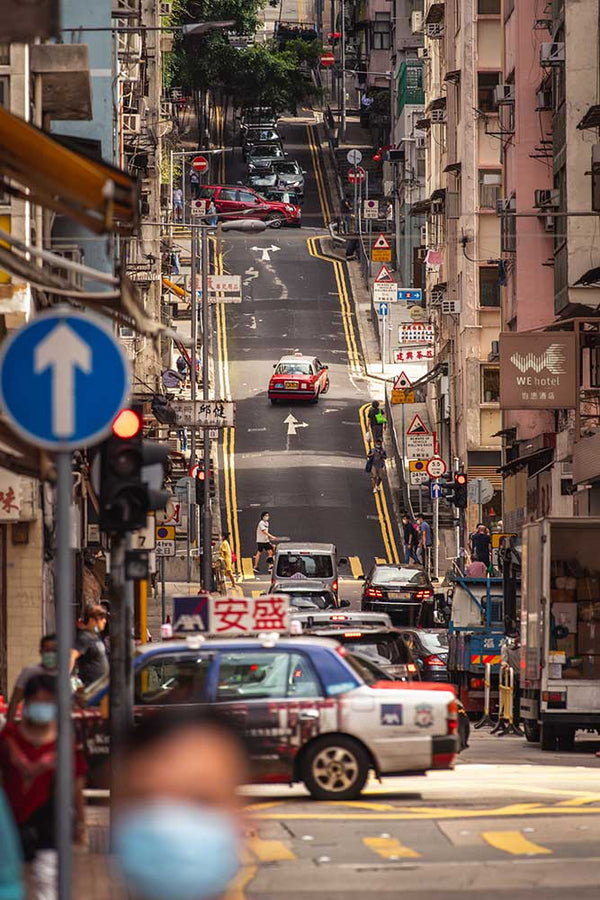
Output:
x,y
89,652
263,541
177,829
28,773
48,648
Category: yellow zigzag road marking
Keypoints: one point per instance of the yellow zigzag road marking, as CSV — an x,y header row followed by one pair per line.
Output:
x,y
513,842
390,848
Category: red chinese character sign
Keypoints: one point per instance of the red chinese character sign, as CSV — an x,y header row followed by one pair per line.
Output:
x,y
248,615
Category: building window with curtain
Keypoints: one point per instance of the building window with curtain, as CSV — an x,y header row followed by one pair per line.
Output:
x,y
381,32
489,289
490,384
490,188
488,7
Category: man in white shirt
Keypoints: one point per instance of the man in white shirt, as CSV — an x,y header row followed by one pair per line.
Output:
x,y
263,541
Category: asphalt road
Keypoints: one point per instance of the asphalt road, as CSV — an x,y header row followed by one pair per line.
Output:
x,y
309,476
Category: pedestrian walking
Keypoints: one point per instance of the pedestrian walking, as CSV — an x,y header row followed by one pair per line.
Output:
x,y
211,212
226,557
178,204
481,543
183,366
89,652
194,184
377,421
376,465
263,541
424,541
47,666
28,774
411,540
178,825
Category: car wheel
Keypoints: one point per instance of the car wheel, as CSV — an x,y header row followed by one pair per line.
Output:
x,y
532,731
273,401
566,740
275,220
326,388
315,399
548,737
335,768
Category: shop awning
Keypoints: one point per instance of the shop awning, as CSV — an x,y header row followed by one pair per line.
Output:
x,y
99,196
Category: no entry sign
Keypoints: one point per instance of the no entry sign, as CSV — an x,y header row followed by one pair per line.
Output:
x,y
200,164
327,60
360,174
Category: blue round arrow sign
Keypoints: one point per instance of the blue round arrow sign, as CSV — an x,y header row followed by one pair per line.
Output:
x,y
63,379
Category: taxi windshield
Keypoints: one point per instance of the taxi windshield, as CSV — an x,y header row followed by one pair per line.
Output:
x,y
293,368
305,565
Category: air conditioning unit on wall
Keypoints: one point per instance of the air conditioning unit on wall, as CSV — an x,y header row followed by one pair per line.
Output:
x,y
416,22
552,54
438,116
504,93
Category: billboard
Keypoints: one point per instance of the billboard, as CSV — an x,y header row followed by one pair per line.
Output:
x,y
538,370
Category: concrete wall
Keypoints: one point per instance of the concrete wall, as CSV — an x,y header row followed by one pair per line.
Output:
x,y
24,600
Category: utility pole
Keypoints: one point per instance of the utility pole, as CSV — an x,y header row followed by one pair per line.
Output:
x,y
206,510
343,59
191,498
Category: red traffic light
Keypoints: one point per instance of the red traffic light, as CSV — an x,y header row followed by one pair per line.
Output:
x,y
460,478
127,424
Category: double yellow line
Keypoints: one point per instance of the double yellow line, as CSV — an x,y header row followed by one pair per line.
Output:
x,y
318,170
385,522
229,479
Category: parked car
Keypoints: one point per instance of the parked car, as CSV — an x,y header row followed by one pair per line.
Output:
x,y
430,649
262,156
403,591
233,201
290,174
298,377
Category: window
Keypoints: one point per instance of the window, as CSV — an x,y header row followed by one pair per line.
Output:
x,y
421,162
227,194
488,7
169,680
4,85
381,32
265,675
247,197
490,188
310,565
4,54
489,289
486,84
490,384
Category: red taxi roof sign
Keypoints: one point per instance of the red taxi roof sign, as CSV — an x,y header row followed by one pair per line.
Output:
x,y
231,616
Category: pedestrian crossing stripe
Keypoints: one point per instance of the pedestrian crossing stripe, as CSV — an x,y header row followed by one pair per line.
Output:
x,y
513,842
390,848
355,567
247,570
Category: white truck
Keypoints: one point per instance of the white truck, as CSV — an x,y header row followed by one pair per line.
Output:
x,y
560,630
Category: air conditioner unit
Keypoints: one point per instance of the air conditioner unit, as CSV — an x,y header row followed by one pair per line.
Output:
x,y
434,30
437,297
565,469
416,22
546,199
423,52
438,116
165,8
504,205
421,142
549,224
545,100
552,54
131,122
504,93
451,307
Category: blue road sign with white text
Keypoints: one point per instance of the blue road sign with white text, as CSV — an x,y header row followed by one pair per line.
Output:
x,y
436,490
383,309
63,379
414,294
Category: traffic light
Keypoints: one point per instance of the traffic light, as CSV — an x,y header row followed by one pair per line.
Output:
x,y
200,483
448,489
131,475
460,490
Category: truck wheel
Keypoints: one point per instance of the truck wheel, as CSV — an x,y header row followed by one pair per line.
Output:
x,y
532,731
548,738
335,768
566,741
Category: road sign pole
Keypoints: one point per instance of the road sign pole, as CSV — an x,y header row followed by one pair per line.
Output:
x,y
355,196
436,536
206,510
163,598
479,504
64,628
343,62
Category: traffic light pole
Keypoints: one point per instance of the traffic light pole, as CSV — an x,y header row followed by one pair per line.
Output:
x,y
206,510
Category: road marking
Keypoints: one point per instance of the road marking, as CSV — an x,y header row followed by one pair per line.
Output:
x,y
247,570
270,851
265,252
293,423
390,848
240,883
380,561
319,177
387,530
513,842
580,801
355,567
250,274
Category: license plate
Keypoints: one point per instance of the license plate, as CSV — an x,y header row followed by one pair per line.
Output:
x,y
291,385
398,595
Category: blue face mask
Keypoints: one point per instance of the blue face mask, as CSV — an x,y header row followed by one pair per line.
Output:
x,y
170,849
40,713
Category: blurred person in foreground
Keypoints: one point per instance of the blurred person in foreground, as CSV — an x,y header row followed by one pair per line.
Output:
x,y
11,860
28,774
178,823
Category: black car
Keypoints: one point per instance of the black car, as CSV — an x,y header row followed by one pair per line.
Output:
x,y
430,649
403,591
308,593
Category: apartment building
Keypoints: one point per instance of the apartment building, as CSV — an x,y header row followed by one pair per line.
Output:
x,y
463,68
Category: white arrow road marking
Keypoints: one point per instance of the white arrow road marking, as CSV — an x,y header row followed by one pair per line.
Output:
x,y
293,423
250,274
265,252
63,351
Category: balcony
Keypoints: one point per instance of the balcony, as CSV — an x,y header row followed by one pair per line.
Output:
x,y
66,85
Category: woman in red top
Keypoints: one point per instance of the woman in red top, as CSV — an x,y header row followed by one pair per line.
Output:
x,y
27,771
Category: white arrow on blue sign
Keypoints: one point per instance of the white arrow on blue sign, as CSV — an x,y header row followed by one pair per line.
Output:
x,y
63,379
436,490
383,309
414,294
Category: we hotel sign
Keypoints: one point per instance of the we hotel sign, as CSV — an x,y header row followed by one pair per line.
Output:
x,y
538,371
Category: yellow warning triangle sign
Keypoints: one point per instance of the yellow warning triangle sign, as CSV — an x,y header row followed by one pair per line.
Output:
x,y
382,243
417,426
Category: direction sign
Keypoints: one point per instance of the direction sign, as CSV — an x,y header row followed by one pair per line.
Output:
x,y
402,382
383,309
63,379
412,295
354,157
436,467
435,490
357,174
371,209
384,276
208,413
198,207
200,164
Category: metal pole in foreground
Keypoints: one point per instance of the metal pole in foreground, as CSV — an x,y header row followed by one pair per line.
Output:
x,y
436,534
343,61
191,524
206,510
64,628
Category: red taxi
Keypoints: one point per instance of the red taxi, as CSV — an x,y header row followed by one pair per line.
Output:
x,y
298,377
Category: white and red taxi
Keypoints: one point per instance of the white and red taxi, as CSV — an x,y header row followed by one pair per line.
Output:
x,y
298,377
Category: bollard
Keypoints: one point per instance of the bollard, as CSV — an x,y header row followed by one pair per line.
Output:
x,y
502,723
486,719
510,727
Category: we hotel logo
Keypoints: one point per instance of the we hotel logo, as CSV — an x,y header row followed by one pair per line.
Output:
x,y
538,370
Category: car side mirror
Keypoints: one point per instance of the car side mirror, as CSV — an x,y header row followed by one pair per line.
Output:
x,y
344,604
324,367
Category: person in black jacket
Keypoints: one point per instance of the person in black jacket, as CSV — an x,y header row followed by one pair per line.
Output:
x,y
376,427
411,540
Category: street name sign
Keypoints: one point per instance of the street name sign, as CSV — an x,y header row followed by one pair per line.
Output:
x,y
63,379
208,413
